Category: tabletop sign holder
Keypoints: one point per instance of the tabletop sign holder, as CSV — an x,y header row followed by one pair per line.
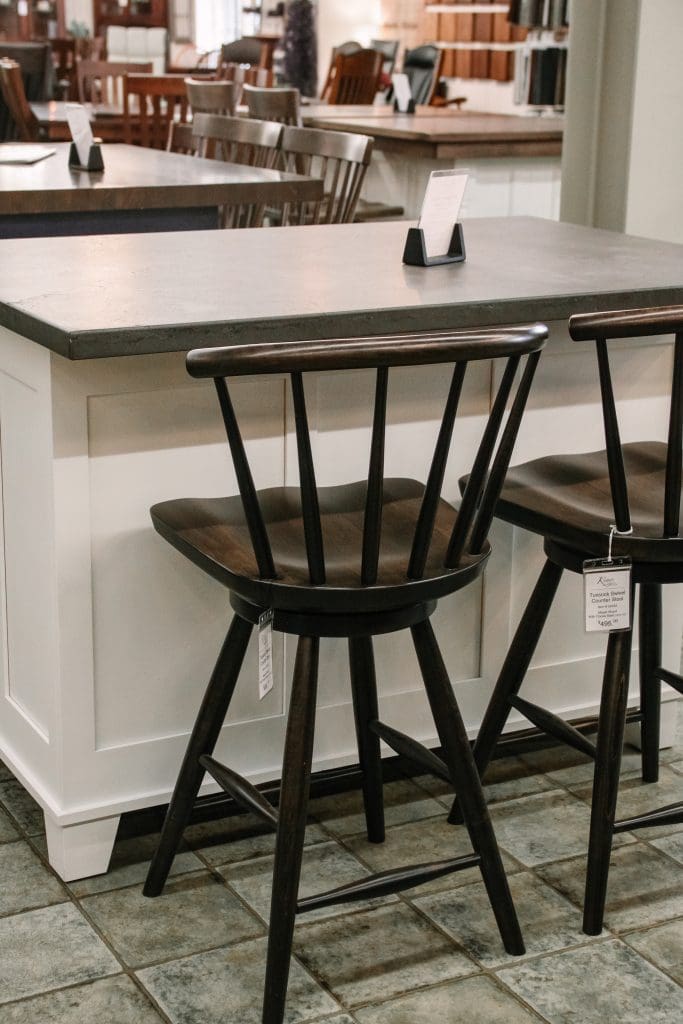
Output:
x,y
410,109
95,159
429,244
415,253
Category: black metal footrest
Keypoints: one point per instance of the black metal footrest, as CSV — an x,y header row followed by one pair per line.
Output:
x,y
387,882
672,814
410,748
671,679
246,795
554,725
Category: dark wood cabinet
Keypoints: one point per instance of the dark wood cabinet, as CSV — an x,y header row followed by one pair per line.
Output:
x,y
35,19
145,13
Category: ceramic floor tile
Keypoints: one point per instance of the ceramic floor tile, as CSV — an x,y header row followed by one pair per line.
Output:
x,y
111,1001
555,758
677,767
325,866
419,843
672,846
8,833
644,887
49,948
506,778
200,989
603,982
663,946
543,827
22,807
342,814
239,838
129,864
580,776
194,913
24,882
675,751
378,954
5,773
548,921
637,797
476,1000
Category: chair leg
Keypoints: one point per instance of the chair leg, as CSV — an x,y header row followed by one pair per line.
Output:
x,y
296,774
611,725
460,761
514,669
204,737
650,655
366,710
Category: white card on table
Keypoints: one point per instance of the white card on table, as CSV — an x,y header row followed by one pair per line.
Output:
x,y
402,93
81,132
440,210
607,594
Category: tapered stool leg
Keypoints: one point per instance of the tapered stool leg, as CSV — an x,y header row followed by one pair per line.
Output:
x,y
365,709
611,725
460,761
296,774
514,670
204,737
650,657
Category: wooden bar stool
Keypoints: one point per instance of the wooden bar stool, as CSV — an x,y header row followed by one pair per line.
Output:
x,y
351,561
573,501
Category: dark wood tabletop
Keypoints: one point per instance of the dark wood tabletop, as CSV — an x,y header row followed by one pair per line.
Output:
x,y
212,288
137,178
439,133
106,120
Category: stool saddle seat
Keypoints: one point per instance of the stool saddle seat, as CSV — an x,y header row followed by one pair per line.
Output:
x,y
568,498
214,534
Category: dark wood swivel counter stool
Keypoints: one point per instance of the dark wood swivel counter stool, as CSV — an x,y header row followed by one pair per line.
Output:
x,y
573,501
351,561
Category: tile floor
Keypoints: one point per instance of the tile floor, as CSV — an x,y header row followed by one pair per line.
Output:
x,y
96,950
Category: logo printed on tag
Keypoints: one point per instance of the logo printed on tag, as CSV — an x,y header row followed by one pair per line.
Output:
x,y
607,595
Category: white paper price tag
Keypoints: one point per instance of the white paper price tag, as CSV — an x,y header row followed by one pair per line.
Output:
x,y
607,594
265,653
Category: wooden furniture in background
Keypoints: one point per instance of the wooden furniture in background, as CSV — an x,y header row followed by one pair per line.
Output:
x,y
356,77
423,66
245,74
181,139
292,550
138,13
572,502
151,103
102,81
275,104
212,97
23,123
464,36
35,23
247,50
340,160
344,49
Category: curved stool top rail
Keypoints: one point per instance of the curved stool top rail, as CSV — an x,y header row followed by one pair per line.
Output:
x,y
601,327
472,523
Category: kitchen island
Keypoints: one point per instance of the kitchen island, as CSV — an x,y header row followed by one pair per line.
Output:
x,y
108,635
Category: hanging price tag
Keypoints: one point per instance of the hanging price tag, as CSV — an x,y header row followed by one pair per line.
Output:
x,y
607,594
265,653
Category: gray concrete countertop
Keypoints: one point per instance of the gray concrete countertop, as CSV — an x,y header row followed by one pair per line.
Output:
x,y
90,297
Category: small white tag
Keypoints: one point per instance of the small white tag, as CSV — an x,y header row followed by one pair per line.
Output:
x,y
607,594
440,209
265,653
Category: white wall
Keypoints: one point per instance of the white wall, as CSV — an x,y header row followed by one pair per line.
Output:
x,y
341,20
79,10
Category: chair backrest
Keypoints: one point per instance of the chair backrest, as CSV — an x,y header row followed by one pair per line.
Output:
x,y
35,61
341,159
468,537
240,141
12,91
101,81
212,97
389,50
245,74
181,139
344,48
282,105
64,54
602,327
356,77
246,50
151,103
423,67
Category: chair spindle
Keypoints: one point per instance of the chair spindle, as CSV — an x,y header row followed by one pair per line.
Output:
x,y
372,523
309,492
615,459
674,453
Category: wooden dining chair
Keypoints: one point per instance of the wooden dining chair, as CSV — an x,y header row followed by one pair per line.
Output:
x,y
356,560
423,66
340,159
356,77
238,140
182,140
351,46
389,50
102,81
247,50
151,103
281,105
24,121
631,492
245,74
219,97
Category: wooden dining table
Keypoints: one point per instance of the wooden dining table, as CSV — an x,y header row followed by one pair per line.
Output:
x,y
139,190
106,120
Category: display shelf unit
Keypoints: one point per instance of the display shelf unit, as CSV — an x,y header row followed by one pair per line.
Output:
x,y
33,19
141,13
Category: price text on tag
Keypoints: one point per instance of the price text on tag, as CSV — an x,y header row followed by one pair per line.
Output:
x,y
607,594
265,653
